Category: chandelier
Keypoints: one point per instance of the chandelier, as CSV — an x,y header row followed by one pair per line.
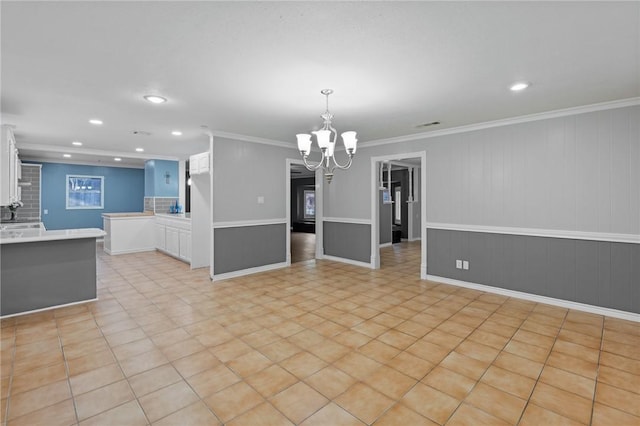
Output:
x,y
327,144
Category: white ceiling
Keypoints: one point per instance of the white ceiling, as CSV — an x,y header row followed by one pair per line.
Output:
x,y
256,68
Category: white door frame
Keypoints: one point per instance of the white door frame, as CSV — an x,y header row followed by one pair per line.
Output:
x,y
318,225
375,217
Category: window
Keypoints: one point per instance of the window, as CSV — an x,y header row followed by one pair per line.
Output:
x,y
309,204
85,192
398,206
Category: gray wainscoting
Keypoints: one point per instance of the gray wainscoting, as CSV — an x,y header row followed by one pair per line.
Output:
x,y
599,273
348,240
48,273
244,247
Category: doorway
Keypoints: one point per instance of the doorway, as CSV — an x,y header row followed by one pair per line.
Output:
x,y
398,207
302,213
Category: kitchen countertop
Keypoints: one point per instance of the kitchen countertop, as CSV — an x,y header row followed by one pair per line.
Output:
x,y
175,215
123,215
11,236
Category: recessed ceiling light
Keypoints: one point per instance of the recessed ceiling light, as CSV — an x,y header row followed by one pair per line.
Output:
x,y
76,143
117,159
176,133
155,99
66,155
95,121
521,85
139,149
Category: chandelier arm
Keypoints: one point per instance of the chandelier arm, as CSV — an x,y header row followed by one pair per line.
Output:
x,y
346,166
313,167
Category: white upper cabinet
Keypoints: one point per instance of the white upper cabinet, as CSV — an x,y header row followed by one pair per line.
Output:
x,y
199,163
10,168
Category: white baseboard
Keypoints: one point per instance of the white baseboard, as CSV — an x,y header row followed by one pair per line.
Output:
x,y
629,316
129,251
248,271
49,308
349,261
385,245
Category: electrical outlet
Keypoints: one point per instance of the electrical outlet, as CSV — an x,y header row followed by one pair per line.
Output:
x,y
465,265
458,264
260,200
46,211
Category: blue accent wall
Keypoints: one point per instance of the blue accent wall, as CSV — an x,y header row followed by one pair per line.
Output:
x,y
161,178
123,192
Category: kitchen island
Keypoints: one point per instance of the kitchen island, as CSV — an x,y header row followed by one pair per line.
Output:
x,y
43,269
128,232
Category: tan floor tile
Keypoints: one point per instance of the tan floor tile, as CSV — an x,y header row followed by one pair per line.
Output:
x,y
401,415
477,351
519,365
535,416
132,349
33,400
533,338
508,381
271,380
378,351
23,365
371,328
573,364
469,415
449,382
356,365
565,403
331,414
364,402
162,402
431,403
95,402
496,402
445,340
329,351
126,336
94,379
604,415
211,381
233,401
413,328
428,351
489,339
249,363
410,365
303,364
390,382
397,339
620,362
330,381
170,337
143,362
230,350
59,414
280,350
578,351
568,381
129,413
352,339
618,398
195,363
525,350
154,379
262,415
182,349
619,379
39,377
580,339
469,367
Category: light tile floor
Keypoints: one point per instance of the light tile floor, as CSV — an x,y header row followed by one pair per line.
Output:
x,y
319,343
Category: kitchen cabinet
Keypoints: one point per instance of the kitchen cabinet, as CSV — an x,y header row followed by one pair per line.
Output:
x,y
199,163
10,168
128,232
173,236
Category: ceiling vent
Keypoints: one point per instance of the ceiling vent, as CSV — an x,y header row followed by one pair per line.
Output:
x,y
141,133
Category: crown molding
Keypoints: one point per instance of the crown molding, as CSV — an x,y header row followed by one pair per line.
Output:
x,y
254,139
95,152
507,121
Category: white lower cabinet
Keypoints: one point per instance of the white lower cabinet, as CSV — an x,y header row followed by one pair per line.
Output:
x,y
185,245
173,236
160,237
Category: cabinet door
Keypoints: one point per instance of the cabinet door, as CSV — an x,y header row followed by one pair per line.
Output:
x,y
193,165
173,241
185,245
160,237
203,162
